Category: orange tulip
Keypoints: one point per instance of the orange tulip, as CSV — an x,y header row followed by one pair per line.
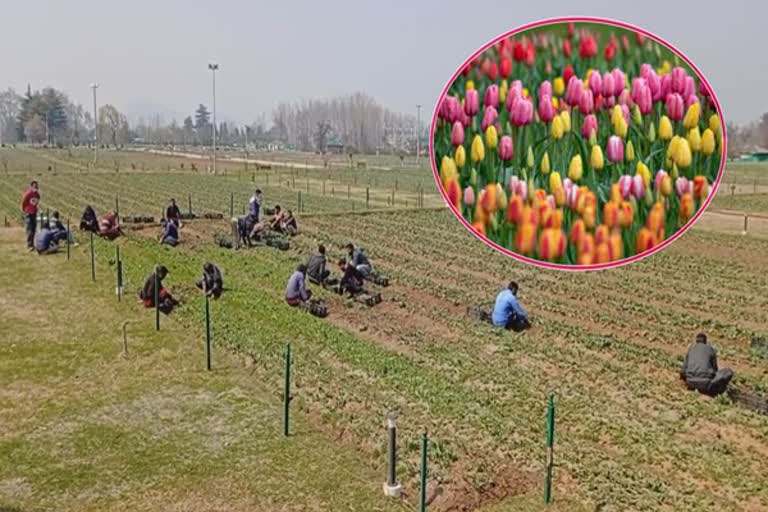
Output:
x,y
586,245
479,227
488,201
611,214
645,240
700,187
514,209
585,259
454,192
589,216
601,234
686,207
626,214
551,244
616,193
616,246
655,218
577,232
557,219
525,239
530,215
602,253
546,212
559,194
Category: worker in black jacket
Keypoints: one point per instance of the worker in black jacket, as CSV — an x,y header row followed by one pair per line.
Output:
x,y
700,371
316,266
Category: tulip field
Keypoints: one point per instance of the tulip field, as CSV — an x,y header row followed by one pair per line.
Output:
x,y
577,144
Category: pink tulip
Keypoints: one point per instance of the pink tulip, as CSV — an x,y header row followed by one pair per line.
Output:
x,y
625,186
471,103
595,83
517,187
545,89
703,89
457,134
615,149
657,180
489,117
492,96
608,102
522,111
551,201
513,94
546,109
625,98
678,80
683,186
588,126
505,148
675,106
464,118
608,85
571,195
690,100
587,102
690,87
625,113
638,187
666,86
645,100
450,110
652,79
618,81
469,196
574,91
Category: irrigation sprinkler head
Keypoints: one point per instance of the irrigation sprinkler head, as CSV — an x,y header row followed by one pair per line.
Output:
x,y
392,420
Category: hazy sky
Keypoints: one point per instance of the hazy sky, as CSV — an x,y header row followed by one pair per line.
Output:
x,y
153,55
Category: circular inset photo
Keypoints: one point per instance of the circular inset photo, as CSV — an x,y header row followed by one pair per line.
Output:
x,y
578,143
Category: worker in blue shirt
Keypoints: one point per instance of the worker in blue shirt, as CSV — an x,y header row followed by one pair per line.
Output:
x,y
507,311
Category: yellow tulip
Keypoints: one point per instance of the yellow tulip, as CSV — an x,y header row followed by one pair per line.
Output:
x,y
503,91
592,138
616,114
652,132
525,92
531,190
460,156
555,103
566,120
674,173
708,142
665,128
672,149
575,169
694,138
477,151
629,153
529,158
473,176
491,137
555,181
501,197
682,156
637,117
596,158
557,128
447,169
470,85
620,127
545,163
558,86
714,123
643,171
692,116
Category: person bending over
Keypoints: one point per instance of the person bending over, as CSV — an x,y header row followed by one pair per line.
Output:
x,y
700,371
109,227
89,221
147,293
170,234
60,232
507,312
351,278
211,283
45,241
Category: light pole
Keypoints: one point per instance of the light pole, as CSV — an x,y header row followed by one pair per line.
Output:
x,y
418,135
95,86
214,67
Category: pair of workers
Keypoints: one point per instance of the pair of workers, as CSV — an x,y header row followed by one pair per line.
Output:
x,y
211,283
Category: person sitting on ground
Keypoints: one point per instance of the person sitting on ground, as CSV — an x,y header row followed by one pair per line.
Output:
x,y
700,371
358,259
296,292
170,234
288,224
45,241
254,206
351,279
211,282
173,214
60,232
109,227
274,224
316,266
166,302
507,311
89,221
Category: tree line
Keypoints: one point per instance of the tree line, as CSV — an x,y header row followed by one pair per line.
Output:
x,y
352,124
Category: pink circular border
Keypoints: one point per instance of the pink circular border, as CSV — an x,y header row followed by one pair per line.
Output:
x,y
559,266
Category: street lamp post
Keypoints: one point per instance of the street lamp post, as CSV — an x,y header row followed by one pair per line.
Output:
x,y
214,67
418,134
95,86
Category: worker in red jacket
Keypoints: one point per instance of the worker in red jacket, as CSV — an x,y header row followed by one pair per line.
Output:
x,y
29,203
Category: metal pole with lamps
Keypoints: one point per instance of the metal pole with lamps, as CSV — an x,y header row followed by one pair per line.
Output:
x,y
214,67
95,86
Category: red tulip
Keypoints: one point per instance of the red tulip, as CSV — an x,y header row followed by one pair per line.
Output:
x,y
471,102
567,73
505,67
588,47
571,28
610,52
625,43
567,48
514,209
518,52
493,71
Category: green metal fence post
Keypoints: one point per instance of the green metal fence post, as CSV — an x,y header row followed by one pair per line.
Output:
x,y
287,392
231,204
189,201
423,488
367,196
550,450
207,330
93,260
119,267
69,234
117,209
157,299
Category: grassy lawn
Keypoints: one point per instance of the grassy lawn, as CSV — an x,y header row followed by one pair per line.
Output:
x,y
86,428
